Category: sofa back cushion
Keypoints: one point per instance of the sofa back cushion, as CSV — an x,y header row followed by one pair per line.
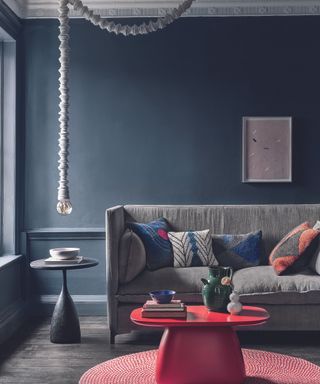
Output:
x,y
132,256
315,261
273,220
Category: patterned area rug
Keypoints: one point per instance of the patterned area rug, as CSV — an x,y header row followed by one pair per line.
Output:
x,y
261,368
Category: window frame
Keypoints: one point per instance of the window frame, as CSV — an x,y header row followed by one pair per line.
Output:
x,y
8,146
10,26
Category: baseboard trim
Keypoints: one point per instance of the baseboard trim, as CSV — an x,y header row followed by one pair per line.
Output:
x,y
12,318
87,305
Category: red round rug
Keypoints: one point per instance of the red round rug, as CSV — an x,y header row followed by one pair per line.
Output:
x,y
261,368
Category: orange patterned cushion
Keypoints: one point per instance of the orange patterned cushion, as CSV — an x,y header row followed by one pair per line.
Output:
x,y
294,251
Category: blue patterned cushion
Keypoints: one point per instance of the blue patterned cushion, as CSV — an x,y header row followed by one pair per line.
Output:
x,y
238,251
192,248
154,236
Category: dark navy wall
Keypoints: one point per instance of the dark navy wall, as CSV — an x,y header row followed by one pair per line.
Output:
x,y
157,119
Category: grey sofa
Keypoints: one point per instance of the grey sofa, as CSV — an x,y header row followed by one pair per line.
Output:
x,y
293,301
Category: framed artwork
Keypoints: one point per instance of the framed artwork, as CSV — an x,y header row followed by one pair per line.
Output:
x,y
267,150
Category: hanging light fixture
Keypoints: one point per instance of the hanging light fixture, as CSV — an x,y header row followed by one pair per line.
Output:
x,y
64,206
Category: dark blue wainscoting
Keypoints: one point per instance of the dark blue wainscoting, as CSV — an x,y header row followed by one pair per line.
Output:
x,y
87,286
13,297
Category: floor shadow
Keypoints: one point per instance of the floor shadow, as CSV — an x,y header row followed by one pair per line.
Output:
x,y
146,337
305,338
12,345
258,380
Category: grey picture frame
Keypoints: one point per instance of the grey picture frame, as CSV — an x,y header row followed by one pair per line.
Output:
x,y
266,149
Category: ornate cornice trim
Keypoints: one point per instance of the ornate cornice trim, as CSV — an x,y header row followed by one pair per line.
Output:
x,y
9,20
157,8
17,6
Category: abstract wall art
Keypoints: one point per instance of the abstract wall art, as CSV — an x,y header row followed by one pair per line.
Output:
x,y
267,150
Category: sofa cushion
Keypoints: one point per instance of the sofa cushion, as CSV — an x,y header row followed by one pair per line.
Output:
x,y
261,285
317,225
132,256
315,261
295,250
256,285
238,251
185,281
192,248
154,236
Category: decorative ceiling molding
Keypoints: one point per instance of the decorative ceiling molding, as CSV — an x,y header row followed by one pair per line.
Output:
x,y
157,8
17,6
10,24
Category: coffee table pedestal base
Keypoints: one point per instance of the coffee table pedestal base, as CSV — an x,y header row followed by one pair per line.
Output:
x,y
194,355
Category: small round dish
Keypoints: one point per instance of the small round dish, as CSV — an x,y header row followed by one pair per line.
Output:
x,y
64,253
162,297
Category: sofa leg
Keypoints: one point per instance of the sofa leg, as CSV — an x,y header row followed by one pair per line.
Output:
x,y
112,337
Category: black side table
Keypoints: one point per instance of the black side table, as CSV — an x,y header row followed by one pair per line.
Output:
x,y
65,327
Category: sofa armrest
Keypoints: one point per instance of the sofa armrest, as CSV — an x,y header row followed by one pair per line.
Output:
x,y
115,225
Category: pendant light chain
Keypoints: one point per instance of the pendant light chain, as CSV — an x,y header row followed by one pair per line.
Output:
x,y
64,206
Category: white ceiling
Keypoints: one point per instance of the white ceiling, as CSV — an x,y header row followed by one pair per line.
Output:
x,y
156,8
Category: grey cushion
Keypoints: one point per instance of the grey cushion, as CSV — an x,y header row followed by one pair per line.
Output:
x,y
315,262
181,218
132,256
256,285
317,225
185,281
261,285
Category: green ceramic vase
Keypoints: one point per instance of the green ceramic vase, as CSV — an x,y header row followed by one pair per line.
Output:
x,y
215,294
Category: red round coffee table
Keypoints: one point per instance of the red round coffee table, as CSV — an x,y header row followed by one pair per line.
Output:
x,y
203,348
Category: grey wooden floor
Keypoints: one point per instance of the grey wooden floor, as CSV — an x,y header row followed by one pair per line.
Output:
x,y
30,357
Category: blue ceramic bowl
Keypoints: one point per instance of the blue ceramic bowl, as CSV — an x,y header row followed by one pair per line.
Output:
x,y
162,297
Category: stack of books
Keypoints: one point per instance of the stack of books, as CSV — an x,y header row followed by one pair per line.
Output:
x,y
174,309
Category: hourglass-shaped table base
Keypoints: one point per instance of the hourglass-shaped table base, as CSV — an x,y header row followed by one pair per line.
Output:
x,y
65,327
203,348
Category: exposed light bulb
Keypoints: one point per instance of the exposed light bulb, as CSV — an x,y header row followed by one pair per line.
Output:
x,y
64,207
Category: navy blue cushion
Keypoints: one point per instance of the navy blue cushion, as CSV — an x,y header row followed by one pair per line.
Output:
x,y
154,236
238,251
